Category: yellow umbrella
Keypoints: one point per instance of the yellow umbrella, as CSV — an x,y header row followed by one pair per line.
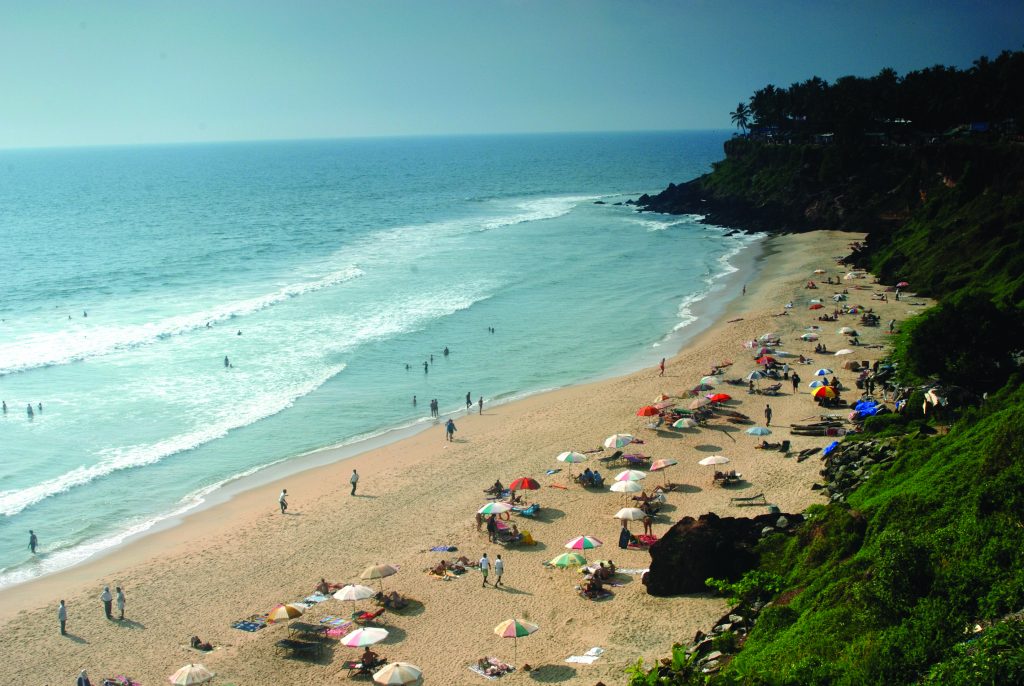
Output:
x,y
514,628
282,613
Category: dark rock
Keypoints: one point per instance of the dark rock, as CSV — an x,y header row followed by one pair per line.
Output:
x,y
711,546
599,202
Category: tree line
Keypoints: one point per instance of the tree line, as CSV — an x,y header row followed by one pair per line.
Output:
x,y
934,100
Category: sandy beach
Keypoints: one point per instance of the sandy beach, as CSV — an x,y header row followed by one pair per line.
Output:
x,y
243,557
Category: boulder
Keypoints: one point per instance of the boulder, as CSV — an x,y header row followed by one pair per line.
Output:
x,y
710,546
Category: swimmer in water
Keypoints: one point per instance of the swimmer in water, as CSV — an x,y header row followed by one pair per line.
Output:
x,y
239,332
227,363
30,412
5,406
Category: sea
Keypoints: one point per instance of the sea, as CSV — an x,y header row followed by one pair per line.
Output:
x,y
181,317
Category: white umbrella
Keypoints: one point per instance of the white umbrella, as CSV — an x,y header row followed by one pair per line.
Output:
x,y
759,431
713,460
626,487
848,330
630,475
844,351
709,380
354,592
399,674
633,514
810,337
824,371
191,674
817,384
618,441
685,423
495,508
366,636
571,457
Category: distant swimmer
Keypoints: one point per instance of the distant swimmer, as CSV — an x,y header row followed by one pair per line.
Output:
x,y
5,406
84,313
431,359
40,407
208,325
426,367
446,351
406,366
239,332
414,401
227,362
30,412
33,542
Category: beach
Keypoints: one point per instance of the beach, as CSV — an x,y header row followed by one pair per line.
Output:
x,y
243,557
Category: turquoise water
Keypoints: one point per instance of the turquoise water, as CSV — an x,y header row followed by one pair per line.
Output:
x,y
320,269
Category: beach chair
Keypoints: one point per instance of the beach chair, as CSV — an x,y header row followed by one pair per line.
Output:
x,y
749,501
530,511
611,458
636,460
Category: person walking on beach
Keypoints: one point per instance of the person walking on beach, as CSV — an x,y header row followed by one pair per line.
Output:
x,y
354,479
661,367
744,289
499,569
449,427
282,500
469,401
62,617
485,568
795,378
120,603
480,404
32,541
107,601
767,414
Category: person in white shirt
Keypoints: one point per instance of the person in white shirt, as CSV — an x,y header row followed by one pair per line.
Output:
x,y
485,568
282,500
499,569
62,616
107,600
354,480
120,602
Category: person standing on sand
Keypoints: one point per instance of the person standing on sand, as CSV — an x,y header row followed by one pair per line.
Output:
x,y
485,568
354,479
499,569
480,404
492,528
767,415
32,541
795,378
282,500
120,603
449,427
62,617
661,367
107,601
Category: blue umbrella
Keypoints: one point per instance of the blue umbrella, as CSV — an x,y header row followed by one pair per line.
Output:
x,y
823,372
758,431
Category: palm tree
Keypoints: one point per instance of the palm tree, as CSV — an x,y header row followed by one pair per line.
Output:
x,y
741,117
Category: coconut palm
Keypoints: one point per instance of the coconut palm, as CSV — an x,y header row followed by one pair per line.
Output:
x,y
741,116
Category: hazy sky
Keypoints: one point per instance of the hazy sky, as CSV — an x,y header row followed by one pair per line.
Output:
x,y
105,71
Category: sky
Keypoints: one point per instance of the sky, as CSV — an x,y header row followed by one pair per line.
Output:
x,y
102,72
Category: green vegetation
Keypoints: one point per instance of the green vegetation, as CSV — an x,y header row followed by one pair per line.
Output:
x,y
889,587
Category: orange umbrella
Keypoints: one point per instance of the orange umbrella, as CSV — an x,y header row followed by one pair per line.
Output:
x,y
647,411
719,397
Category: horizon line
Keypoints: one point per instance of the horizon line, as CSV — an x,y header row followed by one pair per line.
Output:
x,y
297,139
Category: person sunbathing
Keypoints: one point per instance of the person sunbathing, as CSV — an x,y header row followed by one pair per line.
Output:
x,y
496,489
199,644
394,601
369,659
441,569
323,588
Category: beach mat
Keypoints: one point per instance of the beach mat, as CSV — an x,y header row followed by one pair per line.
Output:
x,y
249,624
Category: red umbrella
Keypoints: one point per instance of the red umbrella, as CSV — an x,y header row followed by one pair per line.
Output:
x,y
766,359
719,397
824,392
524,483
816,306
647,411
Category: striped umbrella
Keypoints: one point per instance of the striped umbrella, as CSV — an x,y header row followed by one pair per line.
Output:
x,y
571,457
399,674
713,460
583,543
283,613
366,636
191,674
818,384
495,508
626,487
514,628
754,376
524,483
824,371
709,380
824,392
630,475
685,423
618,441
566,560
663,464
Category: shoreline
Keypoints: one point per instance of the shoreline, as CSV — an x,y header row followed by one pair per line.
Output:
x,y
242,556
748,257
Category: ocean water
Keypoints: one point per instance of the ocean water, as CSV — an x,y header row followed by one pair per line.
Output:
x,y
320,269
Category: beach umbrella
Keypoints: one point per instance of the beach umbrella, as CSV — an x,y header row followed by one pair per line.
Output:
x,y
817,384
709,380
765,359
848,330
191,674
354,592
630,514
566,560
618,441
713,460
819,271
662,397
810,337
824,392
719,397
630,475
658,465
283,613
815,300
685,423
571,457
759,431
699,403
701,387
399,674
514,629
664,404
902,284
647,411
378,572
524,483
626,487
844,351
754,376
495,508
816,306
767,337
583,543
366,636
824,371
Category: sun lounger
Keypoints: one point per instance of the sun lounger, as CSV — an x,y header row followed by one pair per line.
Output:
x,y
119,680
530,511
355,667
749,501
363,617
636,460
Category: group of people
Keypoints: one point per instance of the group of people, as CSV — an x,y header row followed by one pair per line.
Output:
x,y
591,478
106,597
29,411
